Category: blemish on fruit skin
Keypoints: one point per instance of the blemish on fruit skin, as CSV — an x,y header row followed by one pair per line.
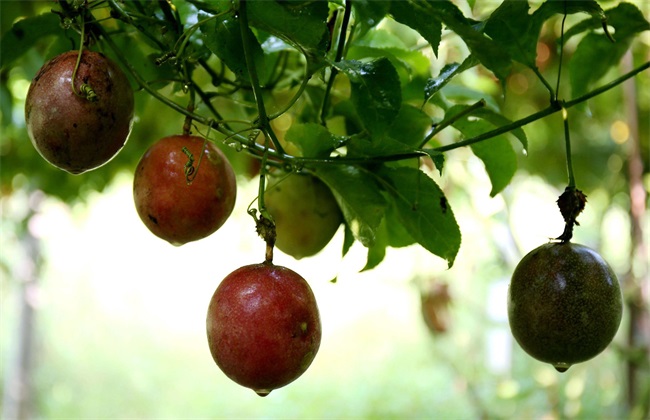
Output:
x,y
153,219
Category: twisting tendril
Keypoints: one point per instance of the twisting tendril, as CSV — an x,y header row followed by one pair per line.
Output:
x,y
85,90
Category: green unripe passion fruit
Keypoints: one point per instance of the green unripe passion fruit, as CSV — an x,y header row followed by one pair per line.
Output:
x,y
305,212
564,304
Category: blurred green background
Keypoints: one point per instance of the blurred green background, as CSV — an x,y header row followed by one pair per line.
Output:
x,y
114,318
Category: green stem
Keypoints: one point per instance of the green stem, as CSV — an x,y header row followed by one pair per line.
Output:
x,y
567,141
545,83
339,55
446,123
293,100
559,70
263,118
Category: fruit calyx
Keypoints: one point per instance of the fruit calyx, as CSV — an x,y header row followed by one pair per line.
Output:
x,y
571,203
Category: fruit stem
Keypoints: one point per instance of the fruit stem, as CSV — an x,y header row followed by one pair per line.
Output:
x,y
567,142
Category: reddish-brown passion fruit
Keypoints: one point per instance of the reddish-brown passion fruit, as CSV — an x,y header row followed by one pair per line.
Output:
x,y
81,129
564,304
263,326
184,189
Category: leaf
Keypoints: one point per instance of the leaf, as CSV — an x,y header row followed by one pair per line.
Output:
x,y
437,158
376,92
368,13
552,7
359,197
303,24
223,38
312,139
593,58
499,120
515,30
423,210
410,126
25,33
497,154
487,51
596,54
430,29
447,73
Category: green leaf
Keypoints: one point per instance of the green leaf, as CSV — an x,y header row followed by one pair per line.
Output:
x,y
430,29
437,158
25,33
410,126
368,13
312,139
376,254
223,38
302,24
487,51
515,30
359,197
376,92
497,154
593,58
552,7
423,210
596,54
447,73
499,120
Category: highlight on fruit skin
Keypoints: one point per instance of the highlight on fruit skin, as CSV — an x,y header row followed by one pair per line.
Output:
x,y
564,304
263,326
82,129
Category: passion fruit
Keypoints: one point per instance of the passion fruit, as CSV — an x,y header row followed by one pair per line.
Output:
x,y
305,212
184,189
82,128
263,326
564,304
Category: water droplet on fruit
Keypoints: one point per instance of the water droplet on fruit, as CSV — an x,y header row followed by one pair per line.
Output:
x,y
561,367
262,392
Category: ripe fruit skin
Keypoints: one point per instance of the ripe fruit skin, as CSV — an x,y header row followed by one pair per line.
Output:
x,y
72,132
171,208
564,304
263,326
305,212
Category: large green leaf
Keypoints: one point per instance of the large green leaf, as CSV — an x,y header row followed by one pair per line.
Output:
x,y
312,139
359,197
497,153
447,73
376,92
430,29
25,33
422,208
515,30
303,24
486,50
223,38
596,54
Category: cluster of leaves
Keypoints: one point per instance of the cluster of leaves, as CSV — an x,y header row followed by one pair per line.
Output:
x,y
355,80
